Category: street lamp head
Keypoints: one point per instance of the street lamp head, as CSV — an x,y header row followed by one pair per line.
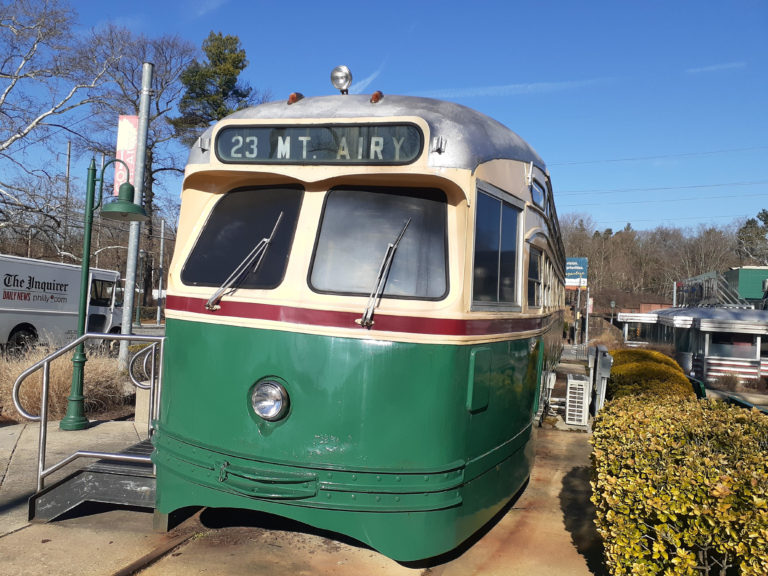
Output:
x,y
123,209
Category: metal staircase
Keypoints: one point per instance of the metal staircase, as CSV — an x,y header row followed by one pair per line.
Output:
x,y
126,477
128,481
709,290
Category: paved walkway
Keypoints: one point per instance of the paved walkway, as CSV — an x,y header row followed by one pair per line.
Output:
x,y
548,530
18,460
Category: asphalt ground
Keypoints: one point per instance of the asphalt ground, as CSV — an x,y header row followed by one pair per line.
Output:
x,y
547,529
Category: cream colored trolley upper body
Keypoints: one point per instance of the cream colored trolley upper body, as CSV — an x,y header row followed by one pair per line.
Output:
x,y
480,165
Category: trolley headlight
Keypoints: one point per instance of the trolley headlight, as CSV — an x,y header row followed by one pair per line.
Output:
x,y
341,78
269,400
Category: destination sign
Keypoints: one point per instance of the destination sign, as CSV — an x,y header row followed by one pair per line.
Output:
x,y
325,144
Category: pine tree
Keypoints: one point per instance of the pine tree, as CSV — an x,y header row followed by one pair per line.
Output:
x,y
213,88
753,239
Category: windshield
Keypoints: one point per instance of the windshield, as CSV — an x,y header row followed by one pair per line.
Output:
x,y
359,224
237,223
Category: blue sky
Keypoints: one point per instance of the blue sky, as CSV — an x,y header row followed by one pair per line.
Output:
x,y
646,112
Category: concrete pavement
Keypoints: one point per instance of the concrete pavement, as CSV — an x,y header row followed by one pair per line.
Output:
x,y
548,529
18,459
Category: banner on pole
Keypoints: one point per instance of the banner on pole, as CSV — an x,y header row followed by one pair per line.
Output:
x,y
575,273
127,139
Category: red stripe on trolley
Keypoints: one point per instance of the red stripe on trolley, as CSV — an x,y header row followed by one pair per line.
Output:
x,y
383,322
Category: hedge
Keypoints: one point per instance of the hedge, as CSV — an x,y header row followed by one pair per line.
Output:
x,y
681,486
632,355
634,378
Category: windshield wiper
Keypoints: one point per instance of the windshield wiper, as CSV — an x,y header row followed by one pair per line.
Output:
x,y
381,280
256,255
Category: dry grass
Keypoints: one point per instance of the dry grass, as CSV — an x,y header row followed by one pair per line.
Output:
x,y
759,385
733,383
607,339
103,385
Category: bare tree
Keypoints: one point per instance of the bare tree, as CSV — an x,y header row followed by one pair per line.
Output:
x,y
170,56
648,262
661,248
31,217
708,249
752,238
45,71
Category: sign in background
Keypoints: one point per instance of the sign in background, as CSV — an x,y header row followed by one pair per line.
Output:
x,y
127,139
575,273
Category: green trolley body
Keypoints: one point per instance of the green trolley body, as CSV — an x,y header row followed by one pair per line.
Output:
x,y
402,418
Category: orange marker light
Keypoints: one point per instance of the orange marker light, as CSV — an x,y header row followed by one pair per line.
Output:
x,y
295,97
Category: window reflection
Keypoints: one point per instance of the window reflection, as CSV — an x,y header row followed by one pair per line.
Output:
x,y
495,261
359,224
237,223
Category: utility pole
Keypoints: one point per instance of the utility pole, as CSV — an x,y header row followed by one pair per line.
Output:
x,y
160,299
98,220
66,202
133,239
586,323
577,315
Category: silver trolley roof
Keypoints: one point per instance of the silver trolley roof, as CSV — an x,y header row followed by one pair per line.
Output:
x,y
460,137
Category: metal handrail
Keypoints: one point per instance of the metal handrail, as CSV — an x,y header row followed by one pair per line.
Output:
x,y
146,353
154,404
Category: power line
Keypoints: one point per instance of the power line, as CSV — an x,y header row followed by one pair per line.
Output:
x,y
559,193
123,227
663,200
663,220
658,157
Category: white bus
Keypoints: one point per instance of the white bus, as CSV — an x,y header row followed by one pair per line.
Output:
x,y
39,302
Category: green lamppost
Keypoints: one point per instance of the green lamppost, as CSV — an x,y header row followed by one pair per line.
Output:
x,y
124,210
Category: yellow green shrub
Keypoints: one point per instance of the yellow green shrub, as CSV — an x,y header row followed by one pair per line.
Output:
x,y
634,355
681,487
632,378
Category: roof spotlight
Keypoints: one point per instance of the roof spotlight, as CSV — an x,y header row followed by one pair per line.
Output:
x,y
341,78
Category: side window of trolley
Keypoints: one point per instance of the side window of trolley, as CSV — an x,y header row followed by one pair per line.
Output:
x,y
549,283
538,194
238,223
534,278
497,224
358,226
